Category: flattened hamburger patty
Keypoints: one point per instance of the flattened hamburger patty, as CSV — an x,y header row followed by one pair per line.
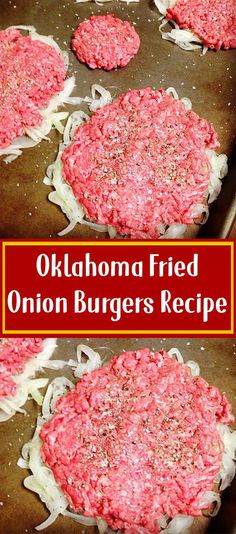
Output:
x,y
105,42
31,72
14,353
136,439
140,162
213,21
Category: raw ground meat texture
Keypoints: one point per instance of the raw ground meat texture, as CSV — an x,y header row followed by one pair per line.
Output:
x,y
14,353
105,42
136,439
140,162
31,72
213,21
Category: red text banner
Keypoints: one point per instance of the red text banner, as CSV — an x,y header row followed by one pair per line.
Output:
x,y
118,288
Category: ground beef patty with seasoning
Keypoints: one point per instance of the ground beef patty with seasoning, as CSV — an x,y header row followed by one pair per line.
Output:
x,y
140,162
136,439
105,42
14,353
213,21
31,72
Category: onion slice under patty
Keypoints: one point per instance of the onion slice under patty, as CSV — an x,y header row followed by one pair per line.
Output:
x,y
43,483
185,39
51,118
27,385
63,194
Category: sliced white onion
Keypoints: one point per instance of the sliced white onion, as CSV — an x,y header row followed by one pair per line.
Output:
x,y
58,387
96,103
176,354
102,525
228,469
9,407
186,101
163,5
56,364
112,232
63,194
47,181
174,231
194,367
75,120
15,149
69,227
80,367
82,519
178,524
34,387
42,480
50,117
227,472
94,360
98,227
172,92
185,39
53,516
26,384
22,463
200,210
229,440
219,168
211,497
163,521
64,197
30,29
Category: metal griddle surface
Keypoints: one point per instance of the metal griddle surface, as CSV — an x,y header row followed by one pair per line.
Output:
x,y
21,509
208,81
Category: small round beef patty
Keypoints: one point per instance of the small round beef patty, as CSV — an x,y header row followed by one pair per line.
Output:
x,y
105,42
140,162
136,439
213,21
14,353
31,73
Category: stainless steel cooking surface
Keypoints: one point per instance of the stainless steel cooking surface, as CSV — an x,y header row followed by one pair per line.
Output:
x,y
21,510
209,82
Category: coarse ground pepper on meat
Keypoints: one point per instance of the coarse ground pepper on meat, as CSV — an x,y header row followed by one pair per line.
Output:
x,y
14,353
140,162
213,21
104,41
136,439
31,72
